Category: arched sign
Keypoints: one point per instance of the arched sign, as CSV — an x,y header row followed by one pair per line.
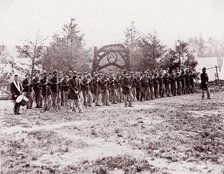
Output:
x,y
110,55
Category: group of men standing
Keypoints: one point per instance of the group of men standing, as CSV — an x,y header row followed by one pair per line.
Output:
x,y
74,90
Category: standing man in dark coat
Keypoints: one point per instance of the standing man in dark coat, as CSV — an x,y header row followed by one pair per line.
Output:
x,y
126,90
74,87
27,89
37,90
204,84
16,90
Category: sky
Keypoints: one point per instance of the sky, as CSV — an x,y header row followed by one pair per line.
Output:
x,y
105,21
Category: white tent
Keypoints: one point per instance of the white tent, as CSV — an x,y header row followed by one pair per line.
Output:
x,y
210,63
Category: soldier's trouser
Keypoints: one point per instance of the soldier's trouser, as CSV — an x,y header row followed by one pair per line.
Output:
x,y
151,89
143,94
114,96
65,98
138,94
77,103
173,89
119,93
47,102
133,90
62,98
30,97
167,88
161,91
105,97
88,98
178,89
156,91
208,93
54,99
183,87
16,107
128,99
38,98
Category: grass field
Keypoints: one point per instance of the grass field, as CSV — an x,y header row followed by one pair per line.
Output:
x,y
169,135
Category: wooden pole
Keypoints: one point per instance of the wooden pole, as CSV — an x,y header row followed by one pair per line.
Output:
x,y
217,75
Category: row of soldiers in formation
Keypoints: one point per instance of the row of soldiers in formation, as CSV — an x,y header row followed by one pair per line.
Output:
x,y
74,90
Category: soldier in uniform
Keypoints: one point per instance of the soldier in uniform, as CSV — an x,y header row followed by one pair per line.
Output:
x,y
95,89
65,88
144,87
45,91
104,84
86,90
113,89
37,90
74,86
119,88
204,84
178,81
191,80
126,90
155,84
138,87
54,89
166,80
182,79
187,80
161,85
173,83
27,89
151,86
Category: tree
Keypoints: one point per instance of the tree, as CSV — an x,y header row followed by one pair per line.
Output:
x,y
67,52
132,39
179,57
170,60
33,50
152,51
4,55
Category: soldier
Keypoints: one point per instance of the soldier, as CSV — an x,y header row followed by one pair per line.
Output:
x,y
144,87
173,83
119,88
166,80
27,89
45,91
37,90
104,84
178,81
182,79
161,85
191,80
187,80
85,87
95,88
126,90
74,87
113,89
138,87
133,79
65,91
54,89
151,86
155,84
204,84
16,90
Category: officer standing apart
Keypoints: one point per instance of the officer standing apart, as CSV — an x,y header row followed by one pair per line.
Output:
x,y
204,84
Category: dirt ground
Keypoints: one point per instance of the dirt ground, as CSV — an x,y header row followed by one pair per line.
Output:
x,y
175,135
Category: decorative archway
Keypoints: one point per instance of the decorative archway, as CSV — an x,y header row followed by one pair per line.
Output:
x,y
111,55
